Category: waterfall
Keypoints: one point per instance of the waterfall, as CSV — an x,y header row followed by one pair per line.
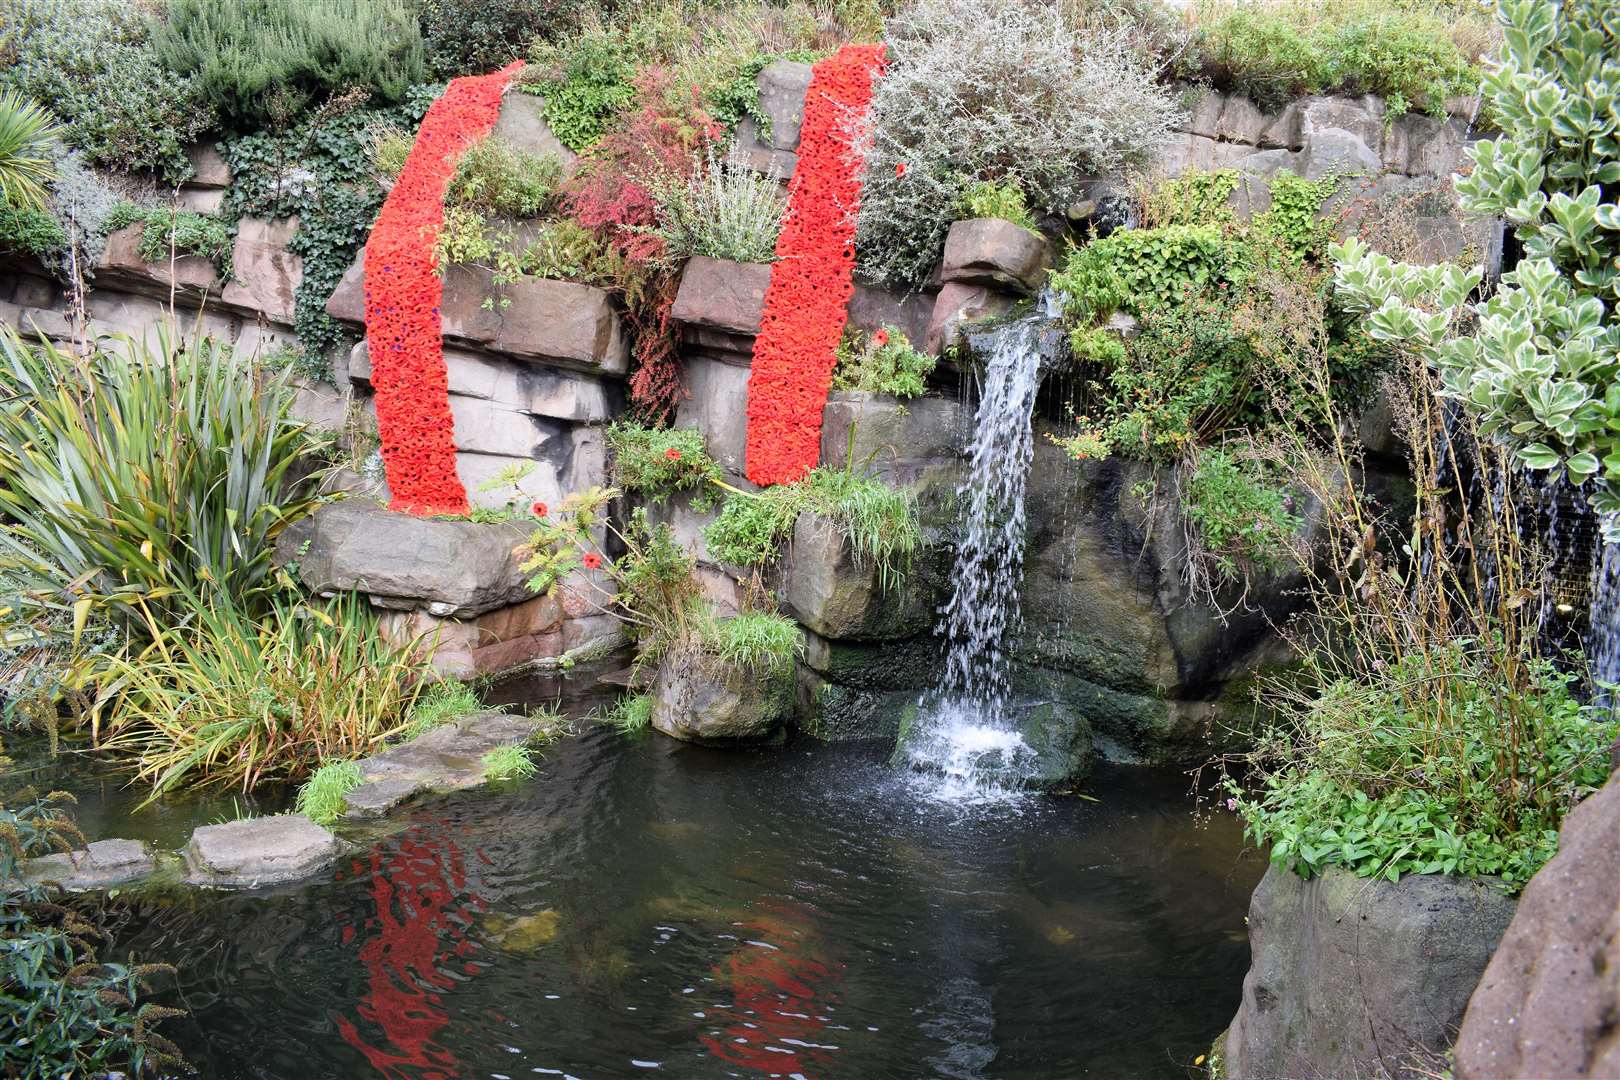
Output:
x,y
963,733
1603,634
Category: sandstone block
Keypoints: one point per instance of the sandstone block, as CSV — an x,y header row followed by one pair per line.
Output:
x,y
259,851
990,251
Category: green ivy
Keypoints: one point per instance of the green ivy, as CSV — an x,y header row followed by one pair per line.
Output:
x,y
321,172
1136,270
1295,215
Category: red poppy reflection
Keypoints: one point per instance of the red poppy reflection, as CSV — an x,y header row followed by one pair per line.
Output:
x,y
782,997
420,925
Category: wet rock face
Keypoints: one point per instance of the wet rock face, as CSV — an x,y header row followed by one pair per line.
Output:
x,y
698,698
1359,977
1549,1003
259,851
833,594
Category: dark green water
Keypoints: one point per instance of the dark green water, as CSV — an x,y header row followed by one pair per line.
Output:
x,y
643,907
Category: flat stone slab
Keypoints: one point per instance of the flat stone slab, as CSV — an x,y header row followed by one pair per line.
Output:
x,y
101,865
448,568
447,758
259,851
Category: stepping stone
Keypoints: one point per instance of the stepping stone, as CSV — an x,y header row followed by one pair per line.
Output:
x,y
447,758
259,851
103,864
376,797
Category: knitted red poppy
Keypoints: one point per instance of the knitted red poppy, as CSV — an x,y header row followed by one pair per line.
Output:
x,y
403,293
807,301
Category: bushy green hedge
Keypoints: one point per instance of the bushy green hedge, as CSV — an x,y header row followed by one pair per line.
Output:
x,y
91,62
259,61
1274,52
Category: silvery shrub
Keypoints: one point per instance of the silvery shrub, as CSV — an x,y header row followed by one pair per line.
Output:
x,y
986,90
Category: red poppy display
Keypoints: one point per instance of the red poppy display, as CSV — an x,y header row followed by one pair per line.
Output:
x,y
807,300
403,293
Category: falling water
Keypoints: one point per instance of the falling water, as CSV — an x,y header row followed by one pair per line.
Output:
x,y
964,735
1603,635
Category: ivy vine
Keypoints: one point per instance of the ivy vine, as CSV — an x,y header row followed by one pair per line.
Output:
x,y
318,171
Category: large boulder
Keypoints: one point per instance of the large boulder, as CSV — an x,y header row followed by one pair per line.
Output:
x,y
536,320
834,594
1359,976
957,306
918,444
259,851
188,277
264,275
1106,610
522,124
1549,1003
447,568
719,294
991,251
699,698
772,149
717,402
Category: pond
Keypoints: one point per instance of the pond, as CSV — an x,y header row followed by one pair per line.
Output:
x,y
644,906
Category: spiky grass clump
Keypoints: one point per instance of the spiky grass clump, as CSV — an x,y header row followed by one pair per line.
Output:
x,y
441,703
761,641
630,715
509,763
321,797
878,522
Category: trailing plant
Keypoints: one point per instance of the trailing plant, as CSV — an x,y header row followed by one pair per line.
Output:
x,y
259,61
630,715
320,171
1539,360
1244,518
26,168
320,798
134,475
882,362
879,523
659,462
1403,52
721,209
987,91
1004,200
63,1011
807,300
403,296
232,698
93,63
166,231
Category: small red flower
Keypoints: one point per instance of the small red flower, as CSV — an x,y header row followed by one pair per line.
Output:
x,y
880,338
539,509
900,169
592,560
673,454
